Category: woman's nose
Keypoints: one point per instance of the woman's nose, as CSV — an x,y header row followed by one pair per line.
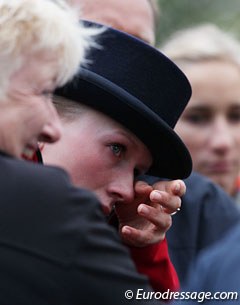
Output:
x,y
52,130
221,137
122,189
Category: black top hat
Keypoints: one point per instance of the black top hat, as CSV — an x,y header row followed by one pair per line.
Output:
x,y
142,89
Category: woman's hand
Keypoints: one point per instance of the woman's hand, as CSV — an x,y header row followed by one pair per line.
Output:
x,y
146,220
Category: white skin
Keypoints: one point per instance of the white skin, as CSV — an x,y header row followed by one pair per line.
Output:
x,y
134,17
103,156
27,113
210,125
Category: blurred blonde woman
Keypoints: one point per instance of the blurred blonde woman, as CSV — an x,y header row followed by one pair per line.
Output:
x,y
210,124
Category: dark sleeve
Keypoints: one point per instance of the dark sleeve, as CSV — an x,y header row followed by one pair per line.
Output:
x,y
102,269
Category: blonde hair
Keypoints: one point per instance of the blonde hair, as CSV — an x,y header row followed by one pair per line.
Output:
x,y
35,25
69,110
202,42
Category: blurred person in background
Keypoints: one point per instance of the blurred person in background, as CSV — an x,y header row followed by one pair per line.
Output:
x,y
210,128
136,17
210,125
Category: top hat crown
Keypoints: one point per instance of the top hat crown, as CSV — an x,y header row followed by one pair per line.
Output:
x,y
139,87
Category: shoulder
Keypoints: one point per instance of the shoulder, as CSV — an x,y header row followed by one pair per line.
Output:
x,y
203,192
207,209
40,207
202,186
27,172
217,268
38,181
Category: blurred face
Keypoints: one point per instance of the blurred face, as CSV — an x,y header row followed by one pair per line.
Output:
x,y
27,114
100,155
210,125
134,17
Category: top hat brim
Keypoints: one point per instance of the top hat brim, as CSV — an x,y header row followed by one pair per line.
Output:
x,y
171,158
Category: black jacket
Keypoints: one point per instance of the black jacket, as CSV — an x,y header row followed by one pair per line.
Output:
x,y
55,246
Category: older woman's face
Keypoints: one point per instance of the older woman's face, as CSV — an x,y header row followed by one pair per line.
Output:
x,y
210,125
101,155
29,113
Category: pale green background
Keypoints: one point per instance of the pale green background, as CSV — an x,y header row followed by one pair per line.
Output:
x,y
176,14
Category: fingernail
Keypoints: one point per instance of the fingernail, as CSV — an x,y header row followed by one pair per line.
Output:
x,y
126,230
143,209
177,187
156,195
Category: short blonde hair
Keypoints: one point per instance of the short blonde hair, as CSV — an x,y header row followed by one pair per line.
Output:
x,y
202,42
69,110
35,25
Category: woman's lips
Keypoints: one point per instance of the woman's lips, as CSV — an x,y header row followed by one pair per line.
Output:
x,y
29,152
220,167
107,208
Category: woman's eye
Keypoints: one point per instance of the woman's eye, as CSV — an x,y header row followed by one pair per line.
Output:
x,y
234,117
117,149
197,119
